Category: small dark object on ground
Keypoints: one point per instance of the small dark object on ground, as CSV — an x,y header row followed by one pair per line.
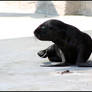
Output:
x,y
66,71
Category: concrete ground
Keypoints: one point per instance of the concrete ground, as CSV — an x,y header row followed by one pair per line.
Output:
x,y
20,67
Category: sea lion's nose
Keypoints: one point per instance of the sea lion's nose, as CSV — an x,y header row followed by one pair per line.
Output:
x,y
37,31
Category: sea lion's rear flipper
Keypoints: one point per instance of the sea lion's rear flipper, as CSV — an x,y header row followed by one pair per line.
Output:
x,y
87,64
56,65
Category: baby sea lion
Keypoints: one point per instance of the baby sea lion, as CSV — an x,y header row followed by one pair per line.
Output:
x,y
75,45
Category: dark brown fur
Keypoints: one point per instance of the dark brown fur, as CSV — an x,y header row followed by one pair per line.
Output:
x,y
76,45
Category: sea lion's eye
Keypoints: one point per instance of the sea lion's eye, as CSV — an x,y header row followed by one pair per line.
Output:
x,y
43,27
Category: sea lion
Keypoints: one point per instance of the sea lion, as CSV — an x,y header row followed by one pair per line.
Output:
x,y
75,44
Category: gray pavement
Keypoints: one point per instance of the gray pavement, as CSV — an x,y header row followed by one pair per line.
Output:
x,y
21,69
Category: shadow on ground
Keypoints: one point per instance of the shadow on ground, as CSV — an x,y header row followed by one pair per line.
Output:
x,y
49,64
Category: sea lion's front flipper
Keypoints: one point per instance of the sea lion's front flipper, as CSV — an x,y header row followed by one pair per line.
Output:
x,y
42,53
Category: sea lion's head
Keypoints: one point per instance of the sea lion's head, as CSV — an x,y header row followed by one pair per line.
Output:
x,y
50,30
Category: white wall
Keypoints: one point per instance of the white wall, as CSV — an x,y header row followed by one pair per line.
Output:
x,y
17,21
